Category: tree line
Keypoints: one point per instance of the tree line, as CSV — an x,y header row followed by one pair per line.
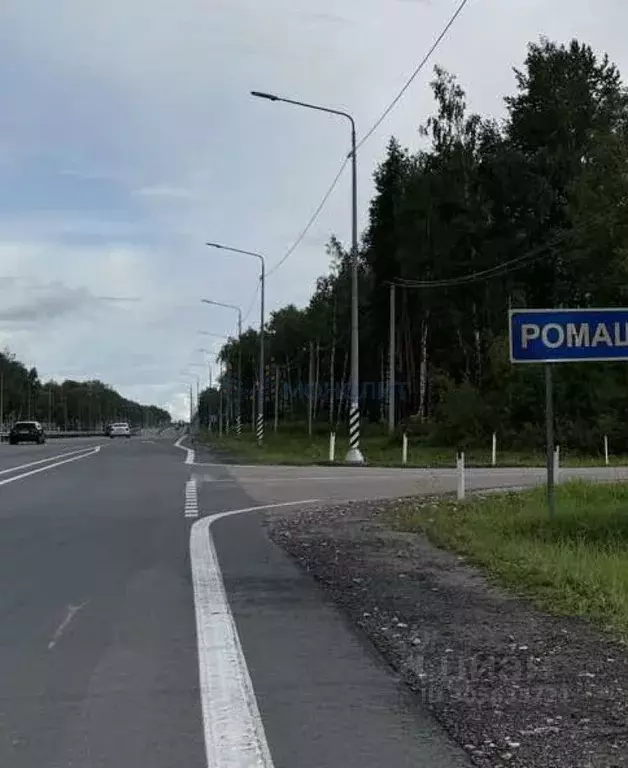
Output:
x,y
69,405
527,211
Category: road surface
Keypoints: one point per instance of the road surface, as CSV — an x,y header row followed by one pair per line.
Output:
x,y
134,634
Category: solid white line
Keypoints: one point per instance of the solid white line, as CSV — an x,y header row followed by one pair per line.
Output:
x,y
234,732
91,452
42,461
190,455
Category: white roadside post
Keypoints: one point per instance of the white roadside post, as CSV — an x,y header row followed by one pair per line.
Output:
x,y
556,462
332,446
494,451
606,450
461,478
404,449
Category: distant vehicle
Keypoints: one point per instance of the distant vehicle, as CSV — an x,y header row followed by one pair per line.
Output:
x,y
120,429
27,432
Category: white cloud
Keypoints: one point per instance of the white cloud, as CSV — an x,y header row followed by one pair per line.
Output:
x,y
165,191
158,147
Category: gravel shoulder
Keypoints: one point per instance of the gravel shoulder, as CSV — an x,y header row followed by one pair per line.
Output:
x,y
512,685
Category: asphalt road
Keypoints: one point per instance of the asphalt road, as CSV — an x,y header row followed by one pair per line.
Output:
x,y
144,624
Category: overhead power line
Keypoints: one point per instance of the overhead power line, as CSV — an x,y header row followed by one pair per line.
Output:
x,y
375,126
414,75
499,270
312,219
252,304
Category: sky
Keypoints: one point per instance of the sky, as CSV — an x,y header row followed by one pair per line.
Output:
x,y
128,138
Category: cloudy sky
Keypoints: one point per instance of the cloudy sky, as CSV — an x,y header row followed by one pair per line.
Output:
x,y
128,138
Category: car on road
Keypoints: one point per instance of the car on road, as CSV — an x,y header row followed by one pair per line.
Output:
x,y
27,432
120,429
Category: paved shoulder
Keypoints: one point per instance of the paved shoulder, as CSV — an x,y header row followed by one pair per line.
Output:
x,y
324,696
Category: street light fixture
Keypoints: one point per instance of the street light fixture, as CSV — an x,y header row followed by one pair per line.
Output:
x,y
260,402
354,455
239,401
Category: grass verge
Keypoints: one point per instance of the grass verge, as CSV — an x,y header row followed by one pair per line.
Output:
x,y
292,446
575,564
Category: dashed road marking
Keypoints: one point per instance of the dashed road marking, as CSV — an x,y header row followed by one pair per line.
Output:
x,y
191,498
71,613
234,732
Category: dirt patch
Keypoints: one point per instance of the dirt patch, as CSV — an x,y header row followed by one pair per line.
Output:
x,y
513,686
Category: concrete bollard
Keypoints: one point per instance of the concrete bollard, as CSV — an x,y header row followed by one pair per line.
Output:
x,y
332,446
461,478
404,449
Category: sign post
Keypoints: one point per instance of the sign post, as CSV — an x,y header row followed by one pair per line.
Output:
x,y
549,429
552,336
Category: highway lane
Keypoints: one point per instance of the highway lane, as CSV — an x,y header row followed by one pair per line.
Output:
x,y
324,697
99,658
12,457
97,641
272,484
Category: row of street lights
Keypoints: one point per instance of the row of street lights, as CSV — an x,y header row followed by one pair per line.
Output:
x,y
354,455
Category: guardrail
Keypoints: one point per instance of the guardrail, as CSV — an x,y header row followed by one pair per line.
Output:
x,y
4,436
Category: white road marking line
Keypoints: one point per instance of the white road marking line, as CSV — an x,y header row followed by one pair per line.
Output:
x,y
72,611
42,461
191,498
234,732
91,452
190,457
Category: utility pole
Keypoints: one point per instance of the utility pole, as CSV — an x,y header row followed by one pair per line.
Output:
x,y
276,425
391,363
332,363
49,406
229,387
310,410
354,455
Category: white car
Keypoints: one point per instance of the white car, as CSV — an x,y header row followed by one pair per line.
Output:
x,y
121,429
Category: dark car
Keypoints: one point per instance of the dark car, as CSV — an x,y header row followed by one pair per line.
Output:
x,y
27,432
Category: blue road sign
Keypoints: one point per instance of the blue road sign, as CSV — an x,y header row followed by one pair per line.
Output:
x,y
568,335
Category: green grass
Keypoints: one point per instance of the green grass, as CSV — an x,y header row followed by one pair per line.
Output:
x,y
575,564
291,445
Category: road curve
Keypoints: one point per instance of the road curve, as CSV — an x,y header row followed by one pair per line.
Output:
x,y
110,621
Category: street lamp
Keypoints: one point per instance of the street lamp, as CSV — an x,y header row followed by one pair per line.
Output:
x,y
239,402
260,399
354,455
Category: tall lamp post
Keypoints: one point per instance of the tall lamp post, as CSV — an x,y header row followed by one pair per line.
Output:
x,y
354,455
260,402
239,401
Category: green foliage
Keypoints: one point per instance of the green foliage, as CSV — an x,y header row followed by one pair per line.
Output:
x,y
542,198
575,564
69,405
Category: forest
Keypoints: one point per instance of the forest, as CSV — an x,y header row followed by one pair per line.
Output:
x,y
527,211
68,406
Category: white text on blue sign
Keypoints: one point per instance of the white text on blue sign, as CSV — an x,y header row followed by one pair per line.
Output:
x,y
568,335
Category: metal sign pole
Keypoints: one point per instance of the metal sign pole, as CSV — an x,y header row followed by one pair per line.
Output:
x,y
549,427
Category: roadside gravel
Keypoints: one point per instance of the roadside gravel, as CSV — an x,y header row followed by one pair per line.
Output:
x,y
513,686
